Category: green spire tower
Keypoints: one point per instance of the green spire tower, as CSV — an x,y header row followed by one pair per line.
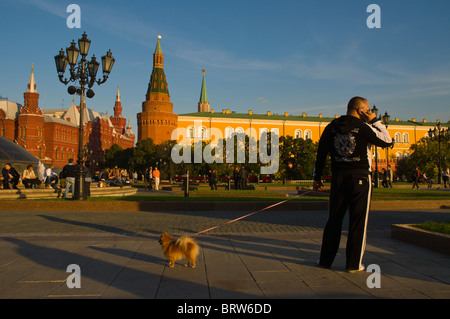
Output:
x,y
157,120
203,104
158,83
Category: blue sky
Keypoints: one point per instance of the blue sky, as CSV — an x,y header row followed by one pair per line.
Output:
x,y
284,56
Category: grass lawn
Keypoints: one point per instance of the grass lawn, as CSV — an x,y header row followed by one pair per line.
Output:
x,y
263,195
210,196
408,194
443,227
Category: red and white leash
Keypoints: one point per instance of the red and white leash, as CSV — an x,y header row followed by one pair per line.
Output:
x,y
248,215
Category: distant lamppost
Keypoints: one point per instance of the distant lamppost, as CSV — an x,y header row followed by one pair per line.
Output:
x,y
438,133
385,119
85,73
377,180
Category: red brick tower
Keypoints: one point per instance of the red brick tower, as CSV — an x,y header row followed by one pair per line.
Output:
x,y
117,120
30,121
157,120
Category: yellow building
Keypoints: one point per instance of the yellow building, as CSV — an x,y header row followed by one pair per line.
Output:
x,y
199,126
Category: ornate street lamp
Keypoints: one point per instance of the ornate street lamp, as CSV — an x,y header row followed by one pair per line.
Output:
x,y
385,119
438,134
85,73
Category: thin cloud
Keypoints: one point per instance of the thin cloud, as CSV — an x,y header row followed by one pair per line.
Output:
x,y
262,100
55,8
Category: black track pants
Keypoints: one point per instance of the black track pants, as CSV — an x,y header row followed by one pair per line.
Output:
x,y
350,192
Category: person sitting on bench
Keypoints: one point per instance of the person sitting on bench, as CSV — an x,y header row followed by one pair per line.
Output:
x,y
29,179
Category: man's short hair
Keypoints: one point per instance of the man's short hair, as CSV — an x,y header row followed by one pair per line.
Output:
x,y
355,103
70,160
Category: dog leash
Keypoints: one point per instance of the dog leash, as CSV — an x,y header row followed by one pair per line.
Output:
x,y
248,215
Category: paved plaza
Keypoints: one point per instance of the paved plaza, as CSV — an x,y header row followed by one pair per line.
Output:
x,y
270,255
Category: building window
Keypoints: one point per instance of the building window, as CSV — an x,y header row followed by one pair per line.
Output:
x,y
202,133
229,132
298,134
239,130
398,138
308,135
191,132
405,138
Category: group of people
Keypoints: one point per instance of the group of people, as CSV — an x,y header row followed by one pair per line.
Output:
x,y
10,178
387,175
213,179
152,175
240,177
114,177
418,177
45,177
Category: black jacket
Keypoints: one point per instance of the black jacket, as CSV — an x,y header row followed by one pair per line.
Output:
x,y
348,141
15,175
68,171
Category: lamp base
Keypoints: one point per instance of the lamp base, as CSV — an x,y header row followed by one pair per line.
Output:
x,y
81,192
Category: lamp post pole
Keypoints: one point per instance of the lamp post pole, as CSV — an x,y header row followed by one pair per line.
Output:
x,y
385,119
438,133
84,72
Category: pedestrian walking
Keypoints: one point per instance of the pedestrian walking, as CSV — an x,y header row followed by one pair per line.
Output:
x,y
236,178
415,177
68,173
348,140
389,176
148,179
156,175
446,176
213,180
384,178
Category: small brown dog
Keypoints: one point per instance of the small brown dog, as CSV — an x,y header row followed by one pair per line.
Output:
x,y
177,249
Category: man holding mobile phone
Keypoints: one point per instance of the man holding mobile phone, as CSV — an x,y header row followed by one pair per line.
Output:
x,y
348,140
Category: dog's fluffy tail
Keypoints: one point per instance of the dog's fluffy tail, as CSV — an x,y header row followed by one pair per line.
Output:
x,y
188,244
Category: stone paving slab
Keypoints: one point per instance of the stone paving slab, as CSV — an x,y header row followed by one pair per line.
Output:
x,y
266,266
267,256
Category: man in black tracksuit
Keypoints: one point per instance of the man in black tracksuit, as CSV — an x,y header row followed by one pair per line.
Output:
x,y
348,140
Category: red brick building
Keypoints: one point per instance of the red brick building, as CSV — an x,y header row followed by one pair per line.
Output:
x,y
52,135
